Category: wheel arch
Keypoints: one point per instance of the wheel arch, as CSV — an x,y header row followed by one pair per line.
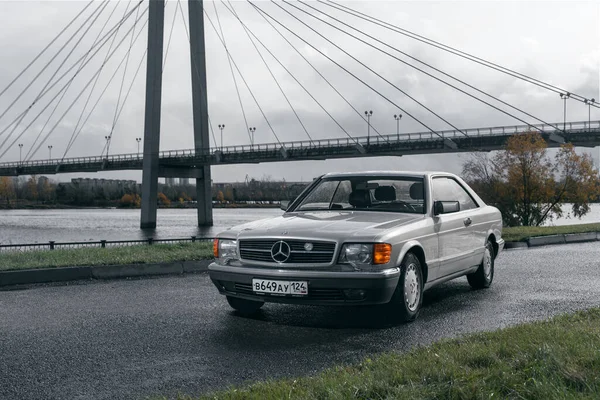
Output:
x,y
415,247
491,236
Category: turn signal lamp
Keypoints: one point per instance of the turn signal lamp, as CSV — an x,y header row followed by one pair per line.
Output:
x,y
382,253
216,248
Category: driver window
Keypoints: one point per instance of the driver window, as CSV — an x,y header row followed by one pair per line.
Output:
x,y
447,189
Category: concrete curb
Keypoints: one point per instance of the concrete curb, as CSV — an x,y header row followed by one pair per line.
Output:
x,y
555,239
64,274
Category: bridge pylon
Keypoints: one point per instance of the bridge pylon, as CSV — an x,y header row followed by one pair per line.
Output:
x,y
154,72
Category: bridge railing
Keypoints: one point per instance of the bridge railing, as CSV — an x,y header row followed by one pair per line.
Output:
x,y
573,127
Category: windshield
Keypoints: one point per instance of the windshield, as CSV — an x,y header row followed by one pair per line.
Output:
x,y
366,193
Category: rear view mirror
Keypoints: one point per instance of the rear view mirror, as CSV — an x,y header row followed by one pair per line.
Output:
x,y
445,207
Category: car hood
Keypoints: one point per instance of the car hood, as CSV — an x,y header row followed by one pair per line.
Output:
x,y
332,225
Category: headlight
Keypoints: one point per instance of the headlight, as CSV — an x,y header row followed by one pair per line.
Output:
x,y
366,253
225,249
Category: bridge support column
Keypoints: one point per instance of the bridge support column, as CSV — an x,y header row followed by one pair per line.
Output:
x,y
156,18
200,109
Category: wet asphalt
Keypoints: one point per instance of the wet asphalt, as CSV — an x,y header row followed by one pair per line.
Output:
x,y
163,336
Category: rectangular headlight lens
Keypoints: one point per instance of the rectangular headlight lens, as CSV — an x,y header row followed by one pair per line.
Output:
x,y
227,249
356,254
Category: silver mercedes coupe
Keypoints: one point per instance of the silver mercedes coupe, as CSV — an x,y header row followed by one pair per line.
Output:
x,y
361,239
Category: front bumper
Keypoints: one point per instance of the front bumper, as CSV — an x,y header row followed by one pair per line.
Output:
x,y
324,287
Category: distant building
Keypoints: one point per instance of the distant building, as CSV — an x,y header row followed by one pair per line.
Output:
x,y
105,184
184,181
170,181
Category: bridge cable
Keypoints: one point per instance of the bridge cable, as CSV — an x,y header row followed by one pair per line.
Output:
x,y
100,97
170,35
195,70
245,83
452,50
364,65
249,31
45,48
122,81
15,124
104,39
232,71
347,71
88,84
68,86
83,24
432,67
58,93
270,72
317,71
73,135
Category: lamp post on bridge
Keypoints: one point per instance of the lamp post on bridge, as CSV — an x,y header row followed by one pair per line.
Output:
x,y
565,96
221,127
138,140
368,115
589,104
50,152
398,118
252,130
107,142
20,151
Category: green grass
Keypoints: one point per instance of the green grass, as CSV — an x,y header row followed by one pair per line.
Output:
x,y
108,256
555,359
521,233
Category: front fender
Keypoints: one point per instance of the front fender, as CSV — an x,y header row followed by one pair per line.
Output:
x,y
405,249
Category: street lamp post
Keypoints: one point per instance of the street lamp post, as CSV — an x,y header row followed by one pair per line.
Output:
x,y
368,115
252,130
20,151
107,142
398,118
589,104
565,96
221,127
50,152
138,140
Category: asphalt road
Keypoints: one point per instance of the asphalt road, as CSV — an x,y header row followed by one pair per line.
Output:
x,y
136,338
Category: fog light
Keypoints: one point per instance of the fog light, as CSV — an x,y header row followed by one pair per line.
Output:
x,y
355,294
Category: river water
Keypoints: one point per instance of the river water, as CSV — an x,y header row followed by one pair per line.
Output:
x,y
36,226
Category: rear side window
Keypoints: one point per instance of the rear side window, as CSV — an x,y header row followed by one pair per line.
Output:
x,y
448,189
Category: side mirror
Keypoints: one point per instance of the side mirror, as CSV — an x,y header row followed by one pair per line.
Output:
x,y
283,204
445,207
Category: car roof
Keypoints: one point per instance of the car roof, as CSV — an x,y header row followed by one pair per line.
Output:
x,y
411,174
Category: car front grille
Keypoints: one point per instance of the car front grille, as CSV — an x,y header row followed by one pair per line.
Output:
x,y
313,294
260,250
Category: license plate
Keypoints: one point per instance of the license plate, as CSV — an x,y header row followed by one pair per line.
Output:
x,y
280,287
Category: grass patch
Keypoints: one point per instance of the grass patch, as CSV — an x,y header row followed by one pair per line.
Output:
x,y
521,233
142,254
559,358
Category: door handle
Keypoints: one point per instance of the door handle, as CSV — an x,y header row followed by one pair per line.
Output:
x,y
467,221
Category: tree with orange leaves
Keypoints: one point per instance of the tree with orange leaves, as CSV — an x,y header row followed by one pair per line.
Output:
x,y
528,186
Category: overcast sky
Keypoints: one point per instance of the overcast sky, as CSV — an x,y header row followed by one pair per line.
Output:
x,y
554,41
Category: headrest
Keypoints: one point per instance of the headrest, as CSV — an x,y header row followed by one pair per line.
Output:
x,y
385,193
416,191
360,198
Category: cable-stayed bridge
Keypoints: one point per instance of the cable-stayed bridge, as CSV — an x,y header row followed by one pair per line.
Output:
x,y
184,163
298,24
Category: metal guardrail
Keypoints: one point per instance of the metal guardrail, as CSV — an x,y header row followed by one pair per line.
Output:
x,y
51,245
320,143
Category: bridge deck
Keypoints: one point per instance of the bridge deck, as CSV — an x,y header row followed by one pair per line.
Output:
x,y
180,162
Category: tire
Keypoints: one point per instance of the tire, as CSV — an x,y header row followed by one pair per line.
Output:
x,y
483,277
408,296
243,306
